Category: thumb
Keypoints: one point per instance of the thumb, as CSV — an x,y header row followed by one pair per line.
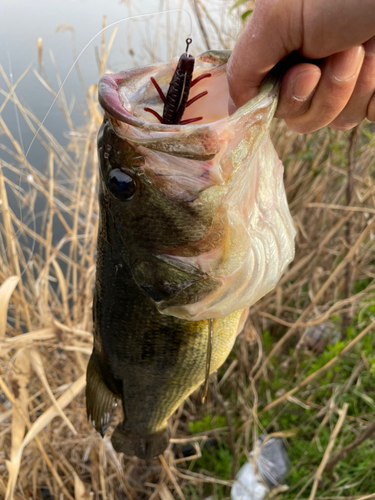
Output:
x,y
266,40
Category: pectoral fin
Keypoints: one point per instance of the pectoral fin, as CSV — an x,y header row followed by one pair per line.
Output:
x,y
100,401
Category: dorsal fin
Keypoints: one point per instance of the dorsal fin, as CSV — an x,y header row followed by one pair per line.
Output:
x,y
100,401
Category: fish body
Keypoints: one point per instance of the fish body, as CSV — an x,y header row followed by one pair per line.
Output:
x,y
183,239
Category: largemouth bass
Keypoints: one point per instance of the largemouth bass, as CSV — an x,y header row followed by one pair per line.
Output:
x,y
194,226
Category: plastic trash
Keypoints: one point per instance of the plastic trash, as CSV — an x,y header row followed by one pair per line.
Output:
x,y
272,464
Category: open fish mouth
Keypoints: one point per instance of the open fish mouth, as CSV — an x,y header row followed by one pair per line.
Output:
x,y
129,94
224,166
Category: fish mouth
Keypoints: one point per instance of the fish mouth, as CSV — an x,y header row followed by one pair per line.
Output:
x,y
124,97
109,97
127,95
235,176
118,103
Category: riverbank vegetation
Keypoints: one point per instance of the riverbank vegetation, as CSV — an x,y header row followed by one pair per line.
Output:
x,y
303,368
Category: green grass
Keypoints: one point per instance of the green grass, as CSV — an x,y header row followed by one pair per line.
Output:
x,y
352,476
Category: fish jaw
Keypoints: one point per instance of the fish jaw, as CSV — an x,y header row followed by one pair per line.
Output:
x,y
224,169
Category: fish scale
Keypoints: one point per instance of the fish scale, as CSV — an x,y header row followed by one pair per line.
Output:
x,y
152,361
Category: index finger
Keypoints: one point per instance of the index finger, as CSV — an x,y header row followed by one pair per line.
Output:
x,y
260,47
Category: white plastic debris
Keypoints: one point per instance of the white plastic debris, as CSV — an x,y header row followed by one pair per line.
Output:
x,y
247,485
271,466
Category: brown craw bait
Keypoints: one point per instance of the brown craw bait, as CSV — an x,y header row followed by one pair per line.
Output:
x,y
178,93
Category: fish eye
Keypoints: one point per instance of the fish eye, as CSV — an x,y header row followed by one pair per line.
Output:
x,y
121,185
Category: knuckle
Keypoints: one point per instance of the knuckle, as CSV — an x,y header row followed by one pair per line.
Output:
x,y
301,127
349,118
342,126
330,108
291,109
334,100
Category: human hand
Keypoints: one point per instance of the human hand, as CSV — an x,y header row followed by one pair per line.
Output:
x,y
338,90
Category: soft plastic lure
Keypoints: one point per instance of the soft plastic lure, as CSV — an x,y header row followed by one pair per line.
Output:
x,y
176,100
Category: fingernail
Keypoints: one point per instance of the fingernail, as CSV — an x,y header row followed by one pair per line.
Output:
x,y
369,47
305,83
345,65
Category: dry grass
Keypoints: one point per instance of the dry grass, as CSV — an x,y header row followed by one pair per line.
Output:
x,y
45,326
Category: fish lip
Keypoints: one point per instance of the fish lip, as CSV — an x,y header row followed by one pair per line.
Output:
x,y
109,99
